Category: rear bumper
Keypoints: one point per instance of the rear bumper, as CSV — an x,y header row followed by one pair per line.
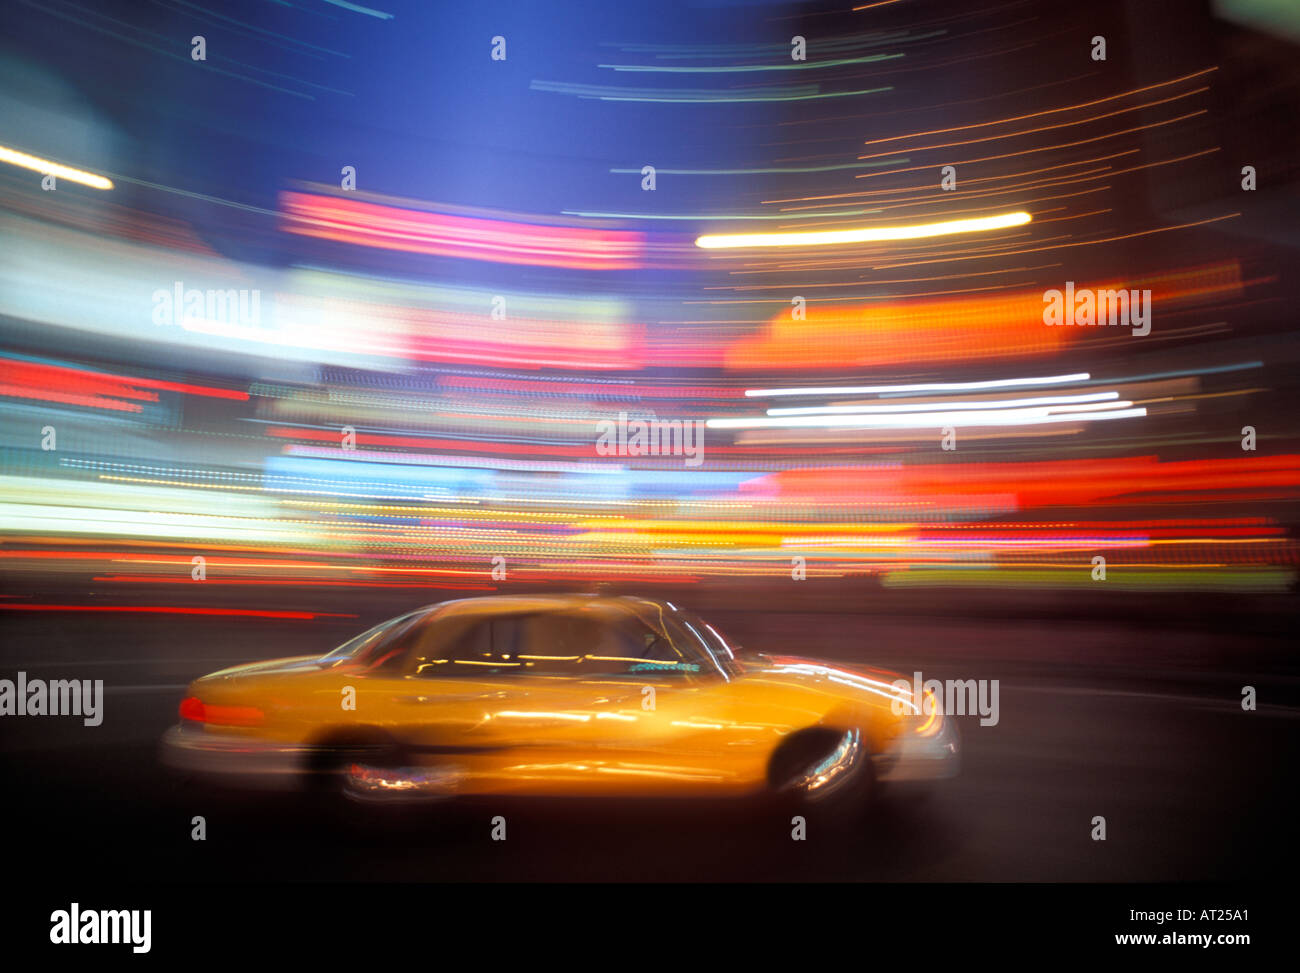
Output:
x,y
916,757
260,763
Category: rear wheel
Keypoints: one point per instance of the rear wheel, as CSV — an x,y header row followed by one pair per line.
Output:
x,y
357,781
370,768
331,758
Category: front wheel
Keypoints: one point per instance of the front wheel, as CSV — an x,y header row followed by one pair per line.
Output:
x,y
825,773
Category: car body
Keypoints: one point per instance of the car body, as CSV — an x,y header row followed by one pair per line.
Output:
x,y
560,695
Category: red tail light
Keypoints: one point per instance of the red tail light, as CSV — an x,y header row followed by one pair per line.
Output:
x,y
193,708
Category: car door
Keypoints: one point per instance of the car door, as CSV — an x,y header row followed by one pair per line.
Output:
x,y
495,695
695,728
630,723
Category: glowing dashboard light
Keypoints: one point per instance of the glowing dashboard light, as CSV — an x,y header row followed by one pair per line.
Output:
x,y
46,167
817,238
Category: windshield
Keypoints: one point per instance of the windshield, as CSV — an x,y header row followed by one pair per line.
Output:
x,y
359,647
691,635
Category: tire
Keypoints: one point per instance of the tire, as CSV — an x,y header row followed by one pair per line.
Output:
x,y
841,802
328,765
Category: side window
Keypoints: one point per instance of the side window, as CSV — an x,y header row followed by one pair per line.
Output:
x,y
468,647
558,635
545,643
604,644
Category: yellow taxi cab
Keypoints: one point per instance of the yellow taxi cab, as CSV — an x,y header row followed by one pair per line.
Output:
x,y
561,695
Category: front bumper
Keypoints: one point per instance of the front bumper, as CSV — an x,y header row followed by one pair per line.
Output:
x,y
916,757
234,759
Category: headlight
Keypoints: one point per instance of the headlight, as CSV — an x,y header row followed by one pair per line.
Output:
x,y
928,723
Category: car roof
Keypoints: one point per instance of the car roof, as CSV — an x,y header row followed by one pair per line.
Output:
x,y
493,604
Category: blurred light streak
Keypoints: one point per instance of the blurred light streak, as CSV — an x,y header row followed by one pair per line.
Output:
x,y
1042,148
292,581
1046,111
177,610
80,386
1044,128
698,217
552,386
1006,325
997,383
46,167
746,68
699,96
1118,576
940,405
966,182
863,234
358,8
934,420
1074,482
393,227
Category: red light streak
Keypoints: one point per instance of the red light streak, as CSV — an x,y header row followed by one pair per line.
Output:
x,y
500,241
175,610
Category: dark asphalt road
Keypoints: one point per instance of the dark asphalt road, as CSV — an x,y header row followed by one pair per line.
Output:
x,y
1138,722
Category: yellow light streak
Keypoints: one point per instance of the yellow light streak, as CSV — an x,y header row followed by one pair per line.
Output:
x,y
45,166
816,238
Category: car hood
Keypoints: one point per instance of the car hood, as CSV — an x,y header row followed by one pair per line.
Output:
x,y
864,683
